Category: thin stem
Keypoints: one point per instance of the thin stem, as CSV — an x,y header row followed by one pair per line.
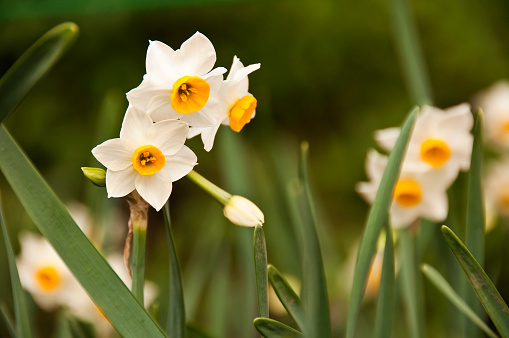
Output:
x,y
222,196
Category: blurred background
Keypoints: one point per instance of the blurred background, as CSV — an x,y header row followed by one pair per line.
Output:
x,y
330,75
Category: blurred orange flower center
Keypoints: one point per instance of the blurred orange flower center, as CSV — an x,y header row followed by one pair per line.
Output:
x,y
435,152
407,193
48,278
148,160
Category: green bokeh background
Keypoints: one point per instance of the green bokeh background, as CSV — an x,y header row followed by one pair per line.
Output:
x,y
329,75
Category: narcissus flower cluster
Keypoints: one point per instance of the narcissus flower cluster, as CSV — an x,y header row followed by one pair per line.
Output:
x,y
440,146
181,96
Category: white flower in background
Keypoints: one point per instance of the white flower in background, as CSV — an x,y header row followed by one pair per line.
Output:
x,y
243,212
147,157
236,105
495,103
416,193
496,190
441,140
180,84
44,274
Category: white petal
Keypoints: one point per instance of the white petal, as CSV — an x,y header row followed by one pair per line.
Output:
x,y
154,189
206,117
120,183
149,92
168,135
458,118
134,127
386,138
402,217
219,71
181,163
243,212
114,154
208,135
160,62
196,56
435,206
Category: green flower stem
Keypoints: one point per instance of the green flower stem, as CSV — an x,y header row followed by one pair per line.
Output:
x,y
219,194
138,226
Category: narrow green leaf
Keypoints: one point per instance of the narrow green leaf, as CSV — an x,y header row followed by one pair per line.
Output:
x,y
385,302
270,328
33,64
441,284
260,262
474,238
20,306
89,267
314,286
138,262
194,332
176,325
9,322
486,292
287,296
376,218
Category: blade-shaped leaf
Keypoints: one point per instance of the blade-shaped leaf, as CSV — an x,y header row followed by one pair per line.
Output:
x,y
33,64
9,322
260,261
287,296
486,292
377,217
20,306
270,328
89,267
441,284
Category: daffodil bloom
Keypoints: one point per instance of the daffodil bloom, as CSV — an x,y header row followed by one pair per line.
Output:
x,y
441,140
495,104
236,105
241,211
44,274
416,193
496,190
180,84
147,157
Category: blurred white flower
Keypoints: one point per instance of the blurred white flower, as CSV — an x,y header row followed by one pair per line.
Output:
x,y
441,140
44,274
147,157
496,190
416,193
236,105
180,83
495,103
243,212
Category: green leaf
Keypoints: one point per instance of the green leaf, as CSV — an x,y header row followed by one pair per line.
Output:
x,y
20,306
9,322
270,328
176,325
441,284
33,64
194,332
314,286
89,267
260,261
486,292
376,218
287,296
385,302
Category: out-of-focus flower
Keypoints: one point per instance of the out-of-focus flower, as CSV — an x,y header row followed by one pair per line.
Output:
x,y
243,212
44,274
496,189
236,105
495,103
416,193
180,83
147,157
441,140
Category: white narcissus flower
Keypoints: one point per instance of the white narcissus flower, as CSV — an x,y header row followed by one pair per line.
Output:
x,y
147,157
44,274
236,105
243,212
496,189
494,102
180,84
416,193
441,140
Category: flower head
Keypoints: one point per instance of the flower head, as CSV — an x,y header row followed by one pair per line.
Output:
x,y
496,188
147,157
441,140
236,106
495,103
243,212
180,84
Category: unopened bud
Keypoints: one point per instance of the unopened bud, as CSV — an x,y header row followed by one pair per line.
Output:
x,y
243,212
96,175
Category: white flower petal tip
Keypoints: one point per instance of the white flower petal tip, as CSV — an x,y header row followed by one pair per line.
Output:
x,y
243,212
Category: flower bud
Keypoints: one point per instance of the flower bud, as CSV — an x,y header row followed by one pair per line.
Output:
x,y
96,175
243,212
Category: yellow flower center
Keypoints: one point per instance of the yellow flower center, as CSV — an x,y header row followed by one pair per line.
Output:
x,y
435,152
241,111
48,278
407,193
190,94
148,160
